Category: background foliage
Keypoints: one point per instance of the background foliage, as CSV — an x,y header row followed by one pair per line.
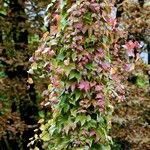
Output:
x,y
21,27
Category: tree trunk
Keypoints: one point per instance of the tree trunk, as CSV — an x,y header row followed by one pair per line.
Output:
x,y
19,32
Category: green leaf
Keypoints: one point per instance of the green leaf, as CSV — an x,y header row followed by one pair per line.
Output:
x,y
88,19
142,81
60,56
52,129
68,126
75,74
91,50
63,21
90,41
77,94
82,119
2,74
92,124
93,39
63,144
88,118
69,68
73,112
41,114
50,146
86,148
66,107
74,56
105,147
105,39
89,66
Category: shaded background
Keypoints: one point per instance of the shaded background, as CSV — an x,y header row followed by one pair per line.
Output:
x,y
21,27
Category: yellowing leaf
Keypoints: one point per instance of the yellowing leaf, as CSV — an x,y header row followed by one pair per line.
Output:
x,y
45,35
41,121
30,81
45,136
34,66
66,62
36,148
132,67
113,71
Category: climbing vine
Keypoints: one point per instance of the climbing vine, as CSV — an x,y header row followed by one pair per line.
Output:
x,y
86,59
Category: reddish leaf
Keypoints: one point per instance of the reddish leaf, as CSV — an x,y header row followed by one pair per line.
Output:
x,y
84,85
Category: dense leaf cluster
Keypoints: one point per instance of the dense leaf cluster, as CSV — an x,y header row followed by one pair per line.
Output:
x,y
86,60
